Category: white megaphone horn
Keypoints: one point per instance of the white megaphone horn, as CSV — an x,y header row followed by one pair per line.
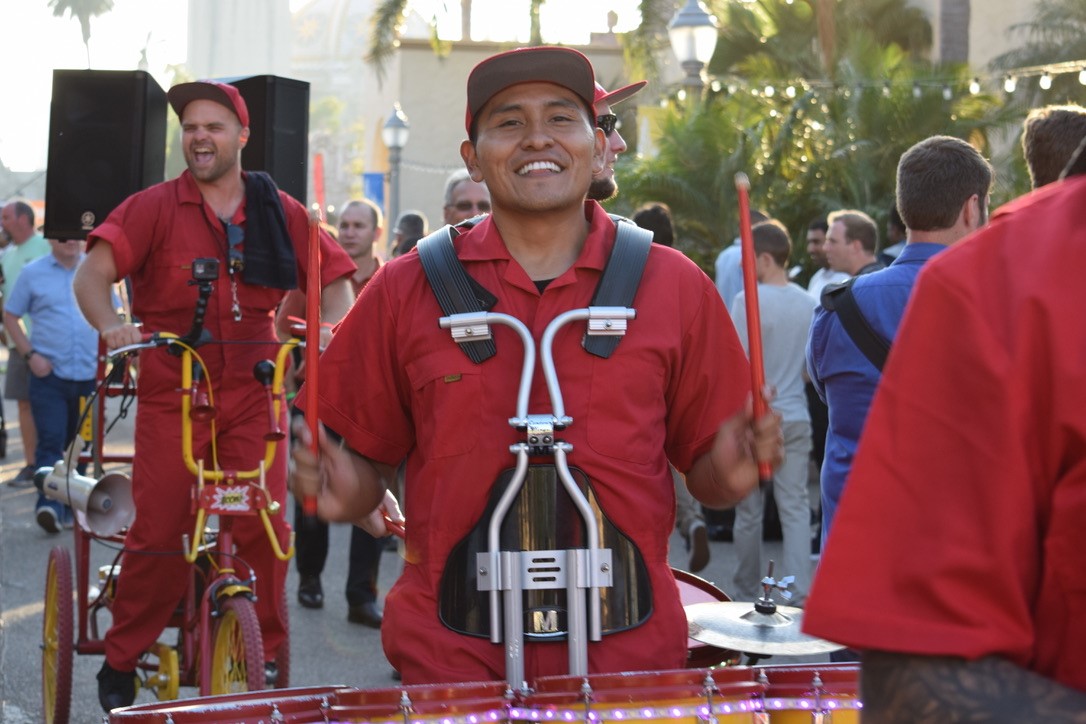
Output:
x,y
106,504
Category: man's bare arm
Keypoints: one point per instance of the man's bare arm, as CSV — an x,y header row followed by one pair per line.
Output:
x,y
918,689
725,475
346,485
92,283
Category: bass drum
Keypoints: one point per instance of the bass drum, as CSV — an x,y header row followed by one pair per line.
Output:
x,y
694,589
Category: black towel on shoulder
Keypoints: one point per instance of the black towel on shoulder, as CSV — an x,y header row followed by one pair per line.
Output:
x,y
269,253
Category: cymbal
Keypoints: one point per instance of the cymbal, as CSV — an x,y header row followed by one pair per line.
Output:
x,y
738,626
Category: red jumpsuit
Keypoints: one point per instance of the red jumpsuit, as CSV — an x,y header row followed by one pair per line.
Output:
x,y
678,373
155,235
961,531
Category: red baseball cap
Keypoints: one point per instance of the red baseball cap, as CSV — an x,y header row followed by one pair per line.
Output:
x,y
209,90
565,67
617,96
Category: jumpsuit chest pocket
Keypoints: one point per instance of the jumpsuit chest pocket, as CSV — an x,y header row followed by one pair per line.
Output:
x,y
447,405
626,398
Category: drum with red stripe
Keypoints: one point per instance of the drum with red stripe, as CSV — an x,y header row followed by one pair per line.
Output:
x,y
466,703
302,705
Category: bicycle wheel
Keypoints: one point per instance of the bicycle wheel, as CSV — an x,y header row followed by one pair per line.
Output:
x,y
56,635
237,652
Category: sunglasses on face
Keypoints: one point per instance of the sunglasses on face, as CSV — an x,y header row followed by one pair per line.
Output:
x,y
607,123
483,207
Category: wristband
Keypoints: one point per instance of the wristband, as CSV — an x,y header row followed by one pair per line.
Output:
x,y
30,354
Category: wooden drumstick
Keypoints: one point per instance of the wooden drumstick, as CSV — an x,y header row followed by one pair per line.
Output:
x,y
312,343
754,320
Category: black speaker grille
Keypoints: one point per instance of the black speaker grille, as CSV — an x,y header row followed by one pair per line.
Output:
x,y
107,140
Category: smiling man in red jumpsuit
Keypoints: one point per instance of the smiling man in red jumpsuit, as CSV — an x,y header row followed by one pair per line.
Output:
x,y
153,238
674,389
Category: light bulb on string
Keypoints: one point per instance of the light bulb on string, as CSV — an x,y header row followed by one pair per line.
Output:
x,y
790,91
947,93
1046,81
1010,83
916,90
974,86
1082,76
770,91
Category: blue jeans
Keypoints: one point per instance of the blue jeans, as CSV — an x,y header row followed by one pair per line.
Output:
x,y
54,402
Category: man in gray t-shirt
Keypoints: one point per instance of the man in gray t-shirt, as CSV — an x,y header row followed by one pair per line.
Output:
x,y
785,310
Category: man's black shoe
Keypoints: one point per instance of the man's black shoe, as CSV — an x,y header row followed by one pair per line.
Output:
x,y
310,593
697,542
116,689
366,614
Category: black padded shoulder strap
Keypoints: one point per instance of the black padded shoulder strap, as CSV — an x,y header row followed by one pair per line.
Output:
x,y
454,288
839,298
621,278
457,292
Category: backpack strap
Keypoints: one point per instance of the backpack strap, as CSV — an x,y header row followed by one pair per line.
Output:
x,y
458,293
840,299
454,288
620,280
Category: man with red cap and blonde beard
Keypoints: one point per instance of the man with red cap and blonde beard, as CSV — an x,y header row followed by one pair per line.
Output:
x,y
604,186
532,138
260,237
688,517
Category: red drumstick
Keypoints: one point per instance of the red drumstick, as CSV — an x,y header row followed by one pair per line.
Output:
x,y
312,342
318,181
754,320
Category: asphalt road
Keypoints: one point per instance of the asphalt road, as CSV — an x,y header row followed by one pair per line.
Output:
x,y
326,648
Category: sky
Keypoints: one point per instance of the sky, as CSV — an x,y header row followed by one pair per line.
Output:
x,y
34,43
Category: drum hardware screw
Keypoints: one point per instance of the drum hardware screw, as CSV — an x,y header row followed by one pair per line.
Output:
x,y
483,571
534,439
604,568
469,332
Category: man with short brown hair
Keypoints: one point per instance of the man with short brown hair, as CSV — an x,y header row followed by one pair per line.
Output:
x,y
851,242
1050,136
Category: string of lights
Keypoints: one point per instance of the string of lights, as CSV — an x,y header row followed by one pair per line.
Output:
x,y
1009,81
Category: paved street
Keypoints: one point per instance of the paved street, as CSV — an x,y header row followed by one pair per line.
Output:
x,y
326,648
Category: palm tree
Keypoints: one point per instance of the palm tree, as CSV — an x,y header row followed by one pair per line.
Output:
x,y
954,31
388,19
84,10
834,144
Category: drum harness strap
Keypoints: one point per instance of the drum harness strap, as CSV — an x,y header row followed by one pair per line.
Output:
x,y
839,298
457,292
505,574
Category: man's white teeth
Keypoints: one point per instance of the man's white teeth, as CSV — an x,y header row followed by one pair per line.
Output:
x,y
539,166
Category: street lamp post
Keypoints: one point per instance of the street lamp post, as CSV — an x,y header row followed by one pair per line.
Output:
x,y
395,133
693,34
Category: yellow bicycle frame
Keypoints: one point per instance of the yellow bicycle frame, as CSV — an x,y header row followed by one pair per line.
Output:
x,y
217,475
